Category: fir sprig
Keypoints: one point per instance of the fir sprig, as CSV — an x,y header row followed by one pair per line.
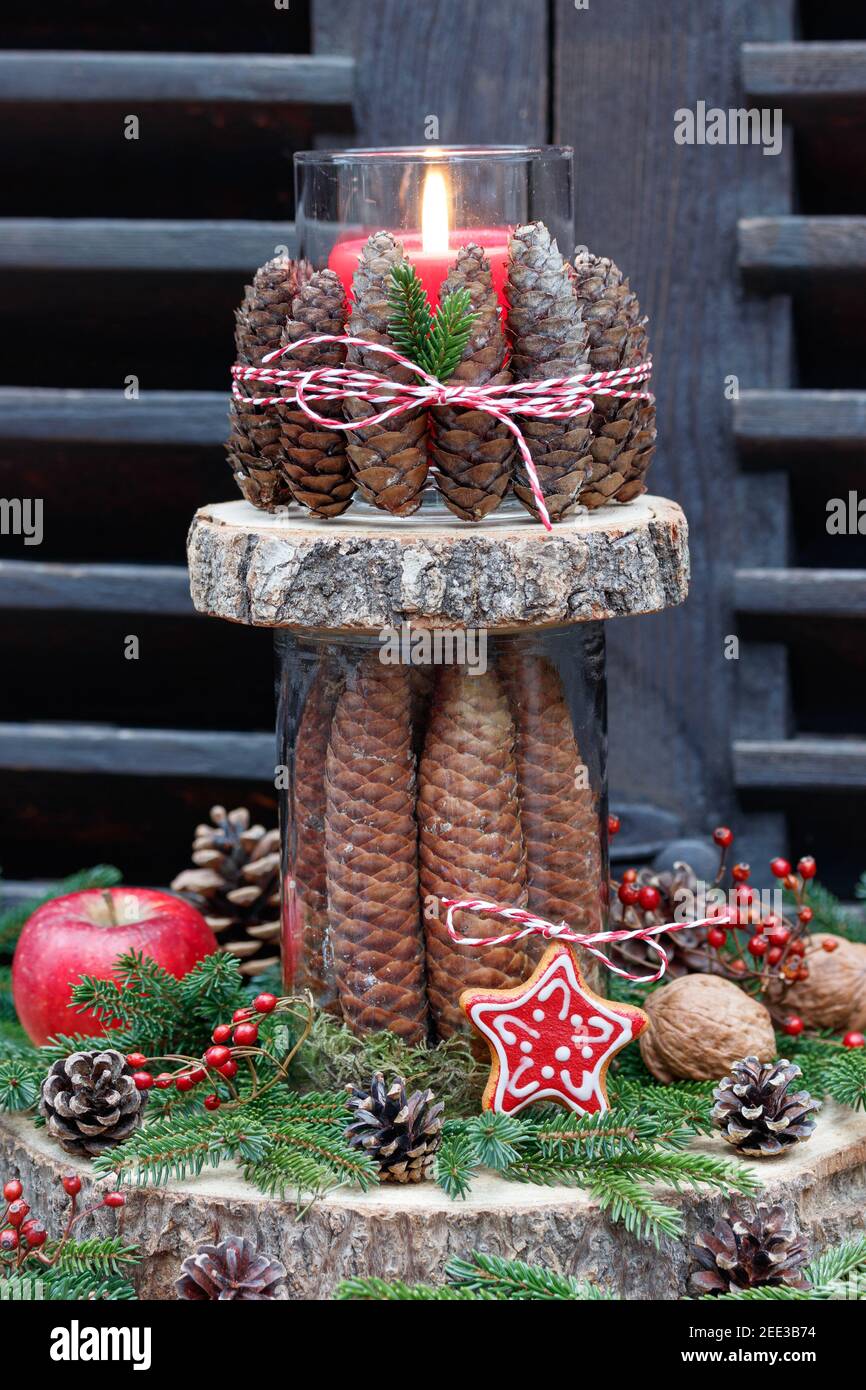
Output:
x,y
480,1278
435,342
840,1273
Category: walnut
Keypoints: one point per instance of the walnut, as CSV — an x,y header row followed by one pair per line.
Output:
x,y
834,996
700,1025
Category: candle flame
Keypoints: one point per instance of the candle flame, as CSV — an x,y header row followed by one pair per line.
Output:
x,y
434,214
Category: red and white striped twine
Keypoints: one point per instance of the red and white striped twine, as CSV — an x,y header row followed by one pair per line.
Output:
x,y
552,931
559,398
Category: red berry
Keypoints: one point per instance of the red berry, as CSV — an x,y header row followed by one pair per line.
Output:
x,y
246,1034
143,1080
830,945
17,1212
114,1199
797,948
805,915
628,894
717,936
71,1184
779,936
744,895
649,898
184,1082
758,946
774,955
8,1241
265,1003
12,1190
222,1033
240,1014
807,868
229,1068
793,1025
740,872
36,1236
803,972
215,1056
629,876
136,1059
738,967
197,1074
164,1080
613,825
723,836
780,867
854,1040
212,1102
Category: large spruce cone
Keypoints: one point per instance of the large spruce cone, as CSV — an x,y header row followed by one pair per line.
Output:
x,y
236,885
311,750
253,446
748,1249
756,1112
558,807
313,458
403,1133
471,843
371,855
624,431
548,339
389,461
231,1270
472,450
90,1101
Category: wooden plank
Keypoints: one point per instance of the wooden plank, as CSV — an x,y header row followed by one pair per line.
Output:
x,y
100,417
44,75
96,243
783,250
801,592
804,75
107,748
667,214
800,422
153,589
816,764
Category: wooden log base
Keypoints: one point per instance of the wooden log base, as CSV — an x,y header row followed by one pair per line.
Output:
x,y
364,571
409,1232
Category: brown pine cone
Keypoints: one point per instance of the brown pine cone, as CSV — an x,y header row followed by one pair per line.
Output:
x,y
389,461
314,459
314,972
687,950
253,446
402,1132
749,1248
624,432
231,1270
756,1110
558,808
371,855
548,339
471,842
473,451
91,1102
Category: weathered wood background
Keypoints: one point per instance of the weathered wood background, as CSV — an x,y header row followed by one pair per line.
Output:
x,y
123,259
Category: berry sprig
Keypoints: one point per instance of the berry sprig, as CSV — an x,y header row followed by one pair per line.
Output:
x,y
24,1237
235,1045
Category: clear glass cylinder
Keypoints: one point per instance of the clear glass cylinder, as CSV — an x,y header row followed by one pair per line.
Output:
x,y
435,198
422,765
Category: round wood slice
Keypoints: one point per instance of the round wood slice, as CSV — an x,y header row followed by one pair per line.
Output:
x,y
364,571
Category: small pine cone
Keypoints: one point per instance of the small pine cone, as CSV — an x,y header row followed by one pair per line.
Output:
x,y
558,807
470,844
371,855
231,1270
624,432
90,1101
253,445
389,461
755,1111
314,730
548,339
314,459
472,450
749,1249
236,885
403,1133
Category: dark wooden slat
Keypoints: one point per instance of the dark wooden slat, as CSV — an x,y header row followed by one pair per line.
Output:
x,y
801,592
817,764
154,589
803,74
91,417
56,243
785,249
106,748
52,76
800,421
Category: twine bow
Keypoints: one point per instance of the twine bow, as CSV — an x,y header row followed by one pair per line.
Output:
x,y
538,926
558,398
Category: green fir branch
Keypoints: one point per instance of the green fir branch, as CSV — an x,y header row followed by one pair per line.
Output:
x,y
434,342
456,1163
515,1279
838,1274
380,1291
20,1080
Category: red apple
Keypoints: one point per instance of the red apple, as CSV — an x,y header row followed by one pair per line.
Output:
x,y
83,934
